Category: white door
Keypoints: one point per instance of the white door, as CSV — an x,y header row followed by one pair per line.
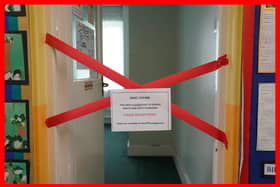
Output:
x,y
76,147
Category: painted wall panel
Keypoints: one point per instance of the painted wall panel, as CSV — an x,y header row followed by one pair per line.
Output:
x,y
197,45
152,55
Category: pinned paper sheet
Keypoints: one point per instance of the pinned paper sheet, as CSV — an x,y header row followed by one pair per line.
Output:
x,y
267,40
266,117
141,109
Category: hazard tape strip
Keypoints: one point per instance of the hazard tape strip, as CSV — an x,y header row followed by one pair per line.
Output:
x,y
127,83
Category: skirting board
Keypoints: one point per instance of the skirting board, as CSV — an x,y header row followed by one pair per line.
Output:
x,y
183,174
149,150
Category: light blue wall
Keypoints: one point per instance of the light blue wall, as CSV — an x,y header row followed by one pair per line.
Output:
x,y
196,45
152,54
152,41
168,39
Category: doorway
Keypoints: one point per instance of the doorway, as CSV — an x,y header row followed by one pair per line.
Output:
x,y
161,42
120,165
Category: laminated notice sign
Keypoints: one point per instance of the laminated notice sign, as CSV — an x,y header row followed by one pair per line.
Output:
x,y
141,109
266,117
267,40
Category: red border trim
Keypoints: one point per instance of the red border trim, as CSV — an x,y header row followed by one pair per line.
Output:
x,y
247,64
127,83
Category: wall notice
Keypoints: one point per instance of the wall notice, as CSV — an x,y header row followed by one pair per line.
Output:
x,y
85,42
266,117
267,40
85,39
141,109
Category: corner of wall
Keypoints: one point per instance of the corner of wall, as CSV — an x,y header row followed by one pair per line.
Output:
x,y
183,174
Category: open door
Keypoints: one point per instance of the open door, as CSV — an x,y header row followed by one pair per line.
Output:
x,y
76,148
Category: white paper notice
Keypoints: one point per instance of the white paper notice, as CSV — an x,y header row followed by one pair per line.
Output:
x,y
141,109
267,40
85,39
85,43
266,117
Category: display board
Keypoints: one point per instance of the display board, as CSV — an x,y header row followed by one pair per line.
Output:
x,y
18,151
262,123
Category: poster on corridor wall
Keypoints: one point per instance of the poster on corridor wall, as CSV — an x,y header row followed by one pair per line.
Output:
x,y
141,110
267,40
16,68
266,117
85,42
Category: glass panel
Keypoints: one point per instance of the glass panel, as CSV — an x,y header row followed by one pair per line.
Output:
x,y
113,55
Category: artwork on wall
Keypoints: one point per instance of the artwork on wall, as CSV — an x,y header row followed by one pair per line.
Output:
x,y
16,69
17,126
15,10
16,172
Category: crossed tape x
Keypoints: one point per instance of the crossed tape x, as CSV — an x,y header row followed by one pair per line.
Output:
x,y
127,83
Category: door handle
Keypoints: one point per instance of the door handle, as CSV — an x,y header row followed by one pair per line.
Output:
x,y
105,84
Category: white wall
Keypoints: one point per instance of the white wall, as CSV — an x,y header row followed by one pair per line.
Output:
x,y
196,45
152,55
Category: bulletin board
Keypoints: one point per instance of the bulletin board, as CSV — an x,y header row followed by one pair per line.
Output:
x,y
18,148
262,123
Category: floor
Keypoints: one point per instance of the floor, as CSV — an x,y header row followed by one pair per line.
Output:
x,y
121,169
